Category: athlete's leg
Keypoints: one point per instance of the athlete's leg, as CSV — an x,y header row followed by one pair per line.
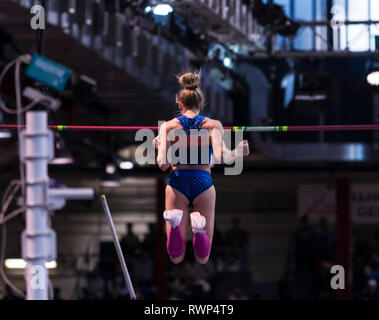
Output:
x,y
205,205
176,237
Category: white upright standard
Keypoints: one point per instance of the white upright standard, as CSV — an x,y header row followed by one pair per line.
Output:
x,y
38,240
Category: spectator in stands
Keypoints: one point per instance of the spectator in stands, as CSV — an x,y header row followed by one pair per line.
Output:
x,y
358,264
325,237
238,294
130,242
285,286
236,237
143,274
325,240
362,248
57,294
371,293
9,295
369,273
237,241
375,249
95,285
149,240
200,289
196,270
181,286
116,286
218,250
305,246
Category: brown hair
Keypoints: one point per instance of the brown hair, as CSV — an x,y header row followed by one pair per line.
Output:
x,y
190,94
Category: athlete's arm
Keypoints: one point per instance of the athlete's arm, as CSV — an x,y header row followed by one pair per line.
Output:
x,y
221,152
163,144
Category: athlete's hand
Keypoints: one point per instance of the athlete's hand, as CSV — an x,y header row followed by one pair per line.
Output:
x,y
243,148
156,141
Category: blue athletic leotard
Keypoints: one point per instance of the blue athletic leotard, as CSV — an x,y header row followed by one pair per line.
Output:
x,y
190,182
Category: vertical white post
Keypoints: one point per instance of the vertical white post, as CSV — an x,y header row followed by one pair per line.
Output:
x,y
337,38
38,240
237,15
224,10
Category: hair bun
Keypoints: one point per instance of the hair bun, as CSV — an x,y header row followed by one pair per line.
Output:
x,y
190,81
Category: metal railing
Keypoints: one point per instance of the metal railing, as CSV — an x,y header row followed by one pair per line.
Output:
x,y
147,56
330,40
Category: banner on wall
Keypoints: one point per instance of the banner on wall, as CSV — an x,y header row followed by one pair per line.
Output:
x,y
318,200
364,204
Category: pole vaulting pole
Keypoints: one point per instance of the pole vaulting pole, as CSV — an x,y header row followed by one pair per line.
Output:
x,y
118,247
359,127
